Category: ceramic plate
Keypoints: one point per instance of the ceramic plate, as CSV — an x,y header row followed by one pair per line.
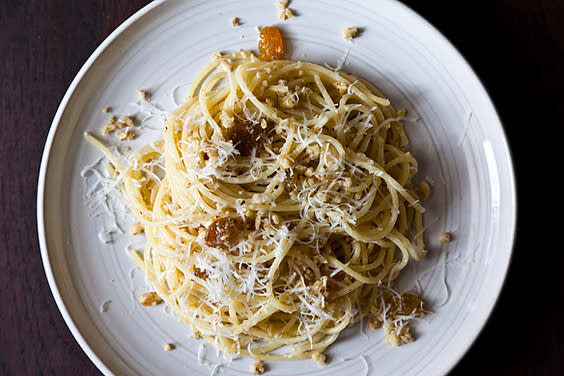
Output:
x,y
454,131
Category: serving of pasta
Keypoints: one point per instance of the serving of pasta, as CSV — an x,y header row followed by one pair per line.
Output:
x,y
278,208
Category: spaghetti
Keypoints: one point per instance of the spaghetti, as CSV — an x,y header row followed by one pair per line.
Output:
x,y
278,208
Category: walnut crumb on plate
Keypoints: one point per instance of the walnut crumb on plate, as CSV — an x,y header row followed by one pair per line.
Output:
x,y
350,32
150,299
257,367
445,237
319,358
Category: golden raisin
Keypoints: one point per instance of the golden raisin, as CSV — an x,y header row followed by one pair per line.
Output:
x,y
271,46
223,231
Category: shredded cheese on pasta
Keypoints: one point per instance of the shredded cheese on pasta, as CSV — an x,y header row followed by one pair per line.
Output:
x,y
278,208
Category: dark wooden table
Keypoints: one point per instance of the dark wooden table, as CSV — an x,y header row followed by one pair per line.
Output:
x,y
516,48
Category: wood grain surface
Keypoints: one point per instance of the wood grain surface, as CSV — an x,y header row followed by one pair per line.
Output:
x,y
515,46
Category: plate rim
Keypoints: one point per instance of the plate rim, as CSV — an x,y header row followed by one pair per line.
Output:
x,y
46,155
502,278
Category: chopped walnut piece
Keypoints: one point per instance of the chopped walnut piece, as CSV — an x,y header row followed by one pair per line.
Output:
x,y
282,4
107,128
424,190
124,134
227,120
141,94
136,228
235,21
168,347
397,336
286,162
285,14
319,358
150,299
106,109
445,237
125,121
350,32
289,101
257,367
374,324
341,86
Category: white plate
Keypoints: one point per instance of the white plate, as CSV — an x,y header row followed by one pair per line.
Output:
x,y
458,140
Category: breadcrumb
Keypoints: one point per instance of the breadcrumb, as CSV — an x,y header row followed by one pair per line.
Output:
x,y
350,32
257,367
168,347
106,109
445,237
235,21
319,358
